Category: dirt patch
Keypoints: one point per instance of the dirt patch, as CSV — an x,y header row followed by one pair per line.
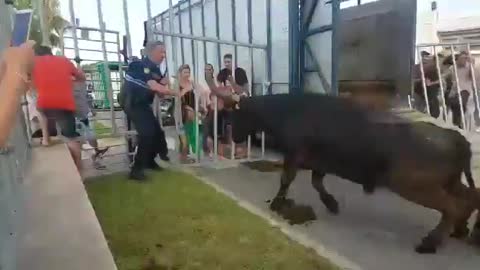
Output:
x,y
294,213
264,165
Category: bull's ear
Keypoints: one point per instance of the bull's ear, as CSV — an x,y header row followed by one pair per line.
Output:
x,y
237,106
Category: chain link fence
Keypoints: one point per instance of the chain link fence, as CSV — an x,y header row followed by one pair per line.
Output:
x,y
13,162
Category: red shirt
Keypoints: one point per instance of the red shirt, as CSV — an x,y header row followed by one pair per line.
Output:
x,y
52,78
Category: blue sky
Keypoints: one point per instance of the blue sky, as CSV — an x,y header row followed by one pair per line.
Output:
x,y
113,14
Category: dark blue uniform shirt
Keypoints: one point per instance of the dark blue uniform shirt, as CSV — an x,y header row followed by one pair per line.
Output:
x,y
138,93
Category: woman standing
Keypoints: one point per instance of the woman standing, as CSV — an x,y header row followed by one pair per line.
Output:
x,y
185,112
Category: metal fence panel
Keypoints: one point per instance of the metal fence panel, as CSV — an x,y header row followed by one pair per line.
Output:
x,y
210,31
318,46
279,28
241,20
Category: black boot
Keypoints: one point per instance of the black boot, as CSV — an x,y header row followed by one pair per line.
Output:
x,y
154,167
165,158
137,175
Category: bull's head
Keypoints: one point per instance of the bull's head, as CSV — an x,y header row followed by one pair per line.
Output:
x,y
242,123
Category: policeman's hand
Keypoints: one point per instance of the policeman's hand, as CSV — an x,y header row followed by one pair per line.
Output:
x,y
164,81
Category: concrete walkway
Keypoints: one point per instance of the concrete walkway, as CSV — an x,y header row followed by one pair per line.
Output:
x,y
372,232
60,230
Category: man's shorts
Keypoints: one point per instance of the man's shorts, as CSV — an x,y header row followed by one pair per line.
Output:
x,y
65,120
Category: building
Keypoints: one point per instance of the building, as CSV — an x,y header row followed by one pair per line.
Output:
x,y
461,30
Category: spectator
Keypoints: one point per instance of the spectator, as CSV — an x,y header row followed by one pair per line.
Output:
x,y
431,82
52,77
141,85
81,113
223,93
184,110
240,82
464,87
16,64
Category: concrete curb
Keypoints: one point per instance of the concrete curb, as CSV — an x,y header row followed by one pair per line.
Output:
x,y
303,239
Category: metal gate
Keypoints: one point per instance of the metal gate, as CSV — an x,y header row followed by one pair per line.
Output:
x,y
439,93
196,33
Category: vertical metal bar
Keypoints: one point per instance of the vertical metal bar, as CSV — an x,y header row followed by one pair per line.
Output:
x,y
196,98
233,148
410,102
269,45
180,28
250,40
74,29
105,64
217,26
149,19
43,24
424,85
452,49
203,32
294,36
301,47
440,81
191,33
172,39
335,44
234,32
127,28
474,80
359,2
249,141
215,128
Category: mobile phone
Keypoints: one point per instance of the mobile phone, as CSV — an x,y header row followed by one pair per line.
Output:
x,y
21,27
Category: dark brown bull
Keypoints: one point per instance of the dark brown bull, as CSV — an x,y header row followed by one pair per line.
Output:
x,y
331,135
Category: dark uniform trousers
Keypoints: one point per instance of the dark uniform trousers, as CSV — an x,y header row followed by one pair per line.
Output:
x,y
151,137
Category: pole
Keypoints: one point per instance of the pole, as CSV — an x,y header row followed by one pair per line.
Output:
x,y
196,97
440,81
173,38
424,84
105,65
452,49
74,29
40,5
127,28
149,22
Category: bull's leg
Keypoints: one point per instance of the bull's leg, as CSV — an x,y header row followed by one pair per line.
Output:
x,y
440,200
327,198
466,197
476,228
476,231
288,175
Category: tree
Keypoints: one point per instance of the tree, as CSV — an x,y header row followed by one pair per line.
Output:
x,y
53,20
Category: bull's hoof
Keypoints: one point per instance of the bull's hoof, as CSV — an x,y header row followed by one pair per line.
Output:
x,y
428,246
426,249
369,189
277,204
475,237
460,232
331,204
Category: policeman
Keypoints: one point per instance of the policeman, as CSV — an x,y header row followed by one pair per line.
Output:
x,y
142,82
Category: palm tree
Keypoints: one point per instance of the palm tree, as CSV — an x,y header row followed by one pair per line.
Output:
x,y
54,23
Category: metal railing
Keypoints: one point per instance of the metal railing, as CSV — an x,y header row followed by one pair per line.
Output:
x,y
448,93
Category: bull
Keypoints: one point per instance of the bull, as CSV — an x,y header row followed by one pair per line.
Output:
x,y
335,136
